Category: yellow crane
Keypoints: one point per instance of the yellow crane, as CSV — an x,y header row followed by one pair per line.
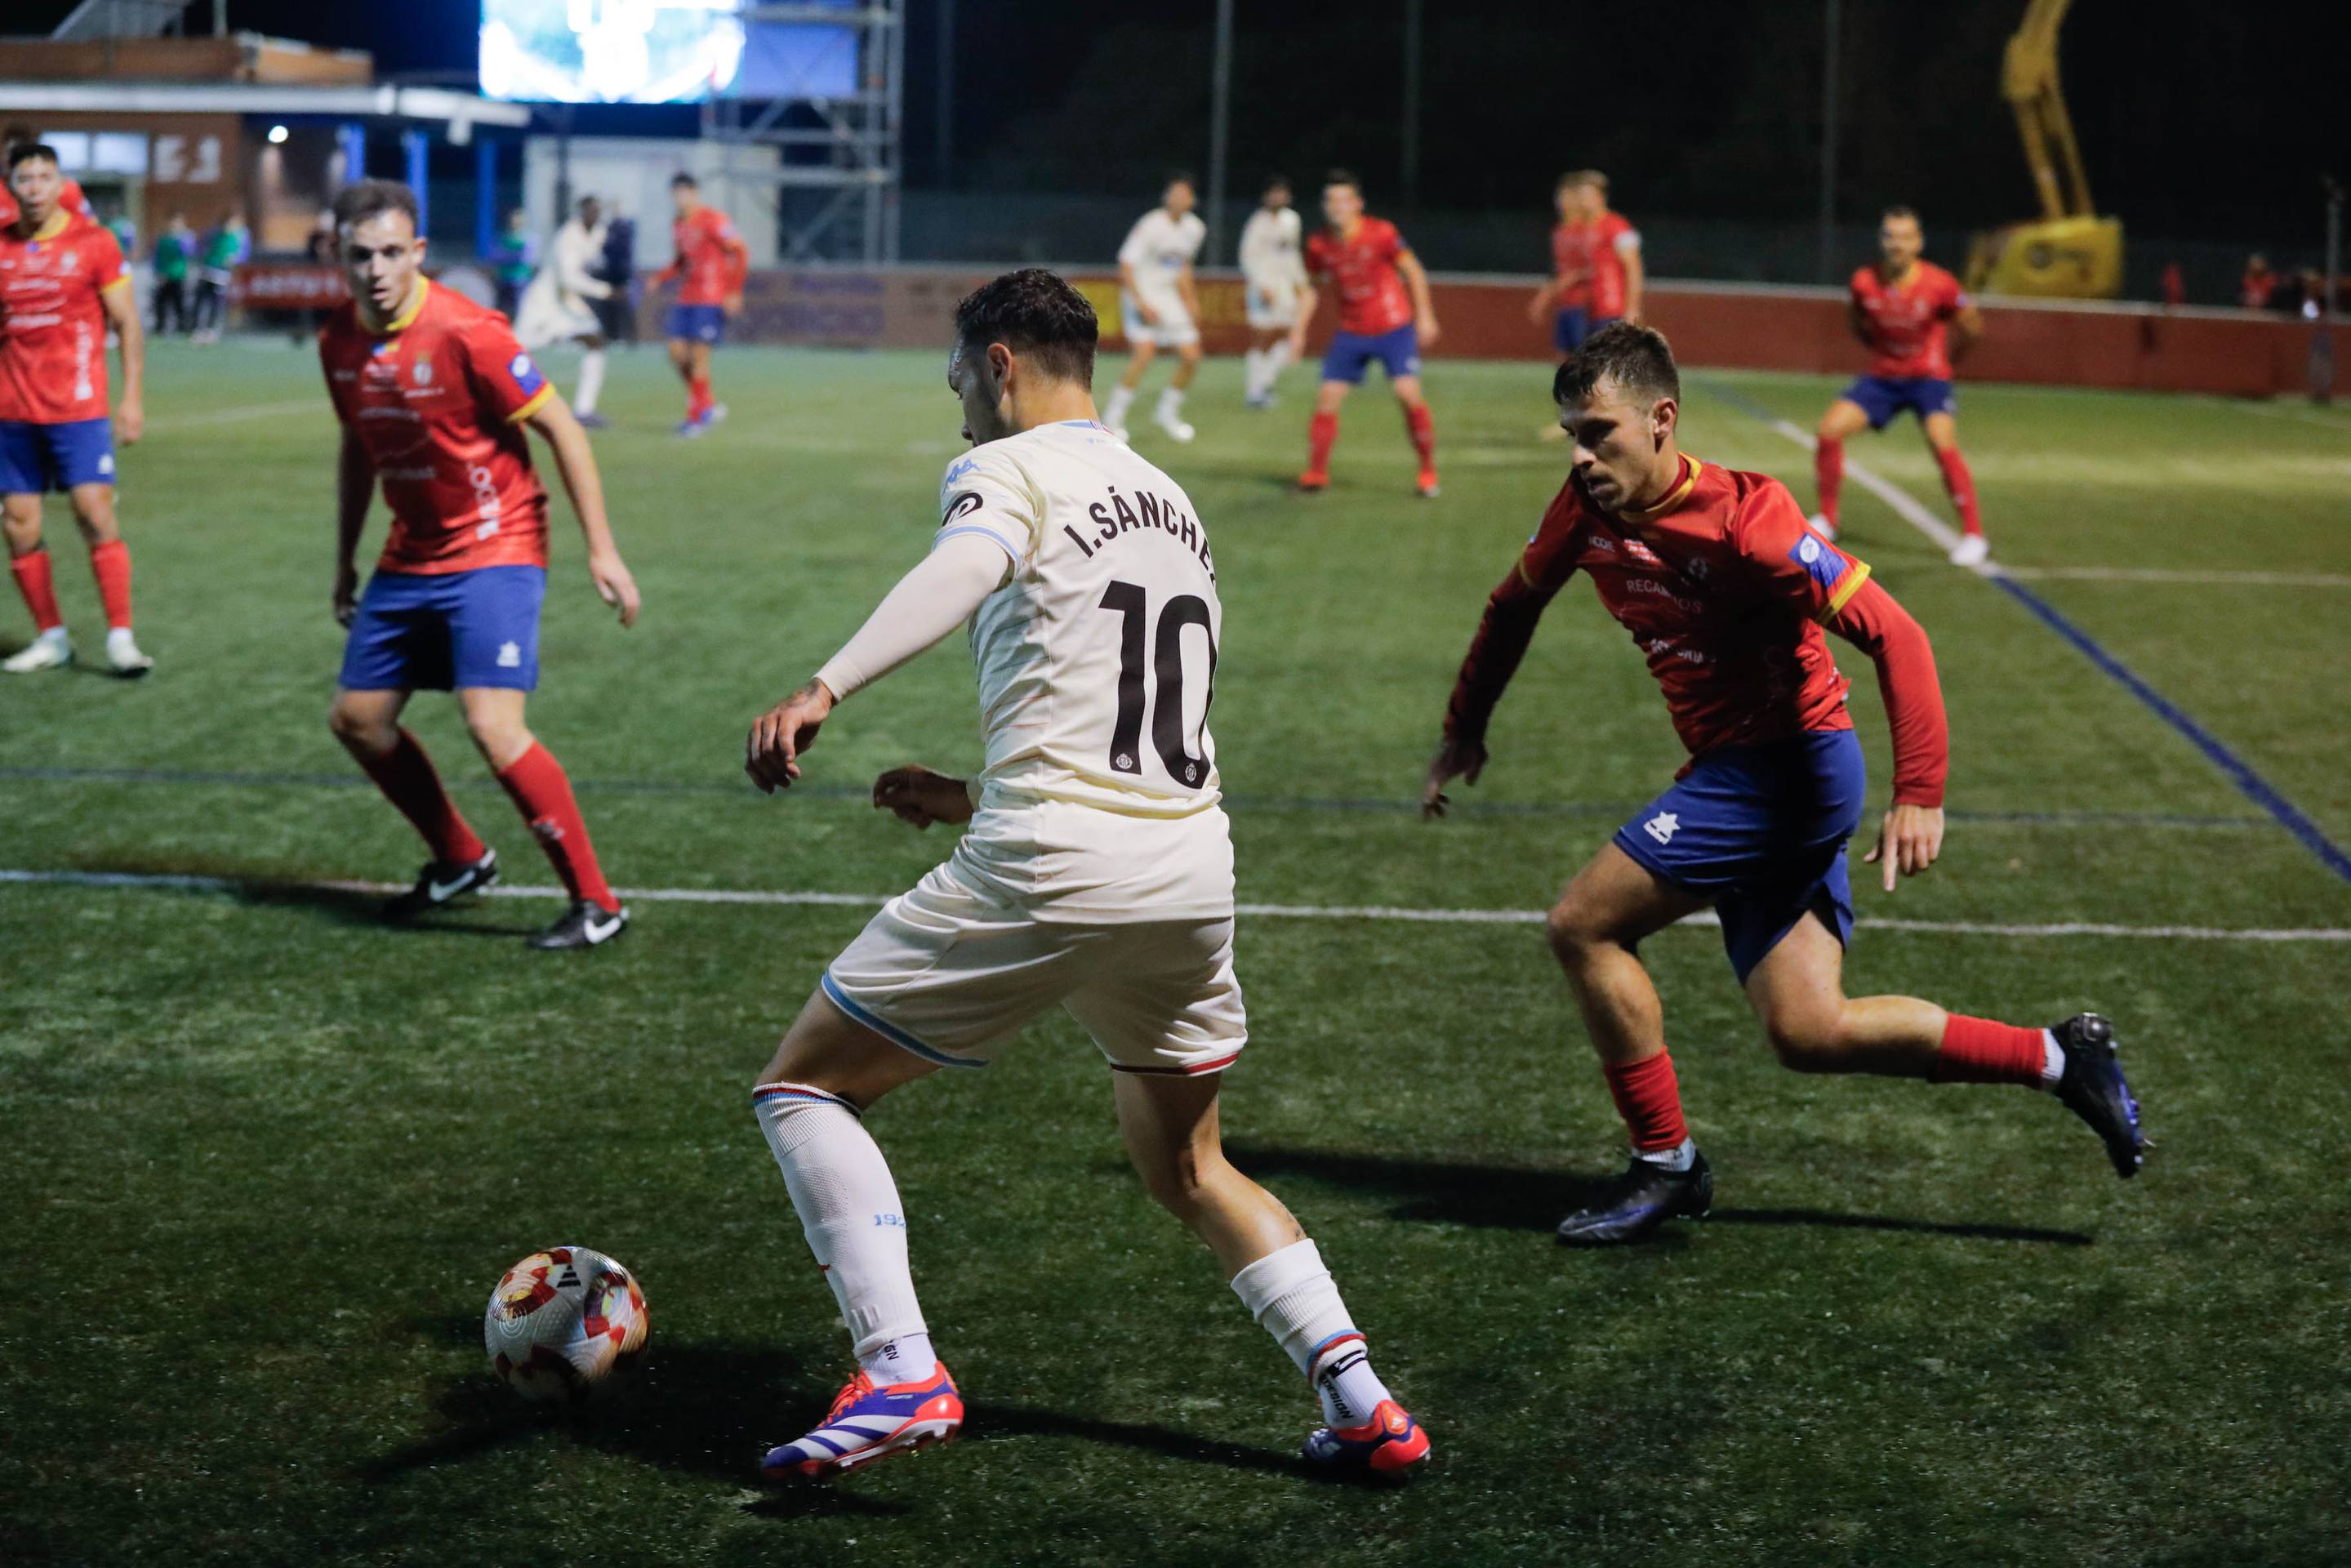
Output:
x,y
2070,252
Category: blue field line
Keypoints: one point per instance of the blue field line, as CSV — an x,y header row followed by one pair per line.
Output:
x,y
1609,810
2257,790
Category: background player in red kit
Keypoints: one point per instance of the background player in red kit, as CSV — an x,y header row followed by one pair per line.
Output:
x,y
1904,309
62,285
1384,315
711,262
1595,262
1726,591
434,391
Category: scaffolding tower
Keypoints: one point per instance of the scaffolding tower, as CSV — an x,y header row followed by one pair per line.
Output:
x,y
838,158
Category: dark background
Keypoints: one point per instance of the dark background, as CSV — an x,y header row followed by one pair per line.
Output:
x,y
2198,121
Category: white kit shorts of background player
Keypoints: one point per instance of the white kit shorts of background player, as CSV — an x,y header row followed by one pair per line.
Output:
x,y
1272,268
1097,871
1157,249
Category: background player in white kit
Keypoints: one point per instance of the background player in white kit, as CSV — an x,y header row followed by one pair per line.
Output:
x,y
1157,306
1096,874
558,306
1275,275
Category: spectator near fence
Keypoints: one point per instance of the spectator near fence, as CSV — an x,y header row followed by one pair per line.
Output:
x,y
514,256
174,250
619,268
2258,286
226,246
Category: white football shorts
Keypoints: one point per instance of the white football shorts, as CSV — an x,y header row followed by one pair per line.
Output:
x,y
1272,309
951,974
1173,329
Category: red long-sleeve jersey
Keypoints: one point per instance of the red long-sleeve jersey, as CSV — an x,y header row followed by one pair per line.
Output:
x,y
1728,593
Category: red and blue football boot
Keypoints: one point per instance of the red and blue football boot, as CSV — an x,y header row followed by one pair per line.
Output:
x,y
869,1422
1391,1447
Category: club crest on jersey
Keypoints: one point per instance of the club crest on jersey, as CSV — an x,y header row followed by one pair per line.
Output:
x,y
1822,561
423,373
526,374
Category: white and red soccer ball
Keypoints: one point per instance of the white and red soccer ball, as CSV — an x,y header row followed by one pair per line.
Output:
x,y
563,1322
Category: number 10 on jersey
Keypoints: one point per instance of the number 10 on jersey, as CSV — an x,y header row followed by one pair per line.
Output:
x,y
1185,764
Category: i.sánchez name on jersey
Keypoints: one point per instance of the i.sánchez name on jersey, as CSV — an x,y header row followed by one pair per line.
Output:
x,y
1098,655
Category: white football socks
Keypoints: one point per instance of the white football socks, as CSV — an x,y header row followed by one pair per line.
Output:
x,y
1273,359
2052,1060
847,1204
1122,398
1253,376
1680,1158
1292,1297
1171,401
591,381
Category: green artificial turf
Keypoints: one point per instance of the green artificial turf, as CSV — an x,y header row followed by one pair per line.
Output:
x,y
264,1158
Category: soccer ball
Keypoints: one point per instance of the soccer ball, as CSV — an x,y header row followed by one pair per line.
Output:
x,y
562,1323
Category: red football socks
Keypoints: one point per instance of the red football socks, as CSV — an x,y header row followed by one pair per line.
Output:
x,y
1978,1050
1828,476
1961,487
33,580
406,776
111,564
1321,434
543,794
697,397
1650,1101
1422,429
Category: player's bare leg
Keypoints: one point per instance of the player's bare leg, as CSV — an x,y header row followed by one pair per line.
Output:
x,y
1594,929
810,1102
28,563
1321,434
368,725
1420,427
541,791
1844,420
1943,440
1798,993
1173,1136
1122,396
110,563
1169,416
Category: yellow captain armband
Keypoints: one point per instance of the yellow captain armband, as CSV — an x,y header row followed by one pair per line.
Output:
x,y
1845,591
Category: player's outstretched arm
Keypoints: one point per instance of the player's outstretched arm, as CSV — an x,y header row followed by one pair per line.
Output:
x,y
122,315
1416,282
354,488
1504,633
1967,331
575,460
1910,836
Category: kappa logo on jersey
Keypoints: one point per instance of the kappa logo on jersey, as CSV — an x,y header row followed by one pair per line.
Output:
x,y
963,505
957,469
1824,564
1661,827
526,374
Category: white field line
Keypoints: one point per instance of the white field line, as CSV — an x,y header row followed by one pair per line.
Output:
x,y
239,413
2274,411
1906,505
2162,574
1359,912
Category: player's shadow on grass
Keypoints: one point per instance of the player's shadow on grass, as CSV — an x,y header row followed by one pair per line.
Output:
x,y
1518,1198
706,1410
996,1423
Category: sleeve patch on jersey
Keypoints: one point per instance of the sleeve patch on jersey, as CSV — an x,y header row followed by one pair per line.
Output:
x,y
962,505
531,405
526,374
1819,559
1843,596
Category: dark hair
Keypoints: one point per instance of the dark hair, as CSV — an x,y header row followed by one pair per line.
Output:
x,y
1035,314
1274,182
24,152
357,203
1636,360
1342,177
1179,177
682,181
1899,211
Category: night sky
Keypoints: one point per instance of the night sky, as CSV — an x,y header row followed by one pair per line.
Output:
x,y
2210,122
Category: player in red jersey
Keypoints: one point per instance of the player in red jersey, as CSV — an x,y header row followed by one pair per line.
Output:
x,y
1915,319
71,197
1384,315
1596,272
1727,591
711,262
62,285
434,393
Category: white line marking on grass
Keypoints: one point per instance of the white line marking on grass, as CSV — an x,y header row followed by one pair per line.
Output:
x,y
239,413
2162,574
1360,911
1906,505
2274,411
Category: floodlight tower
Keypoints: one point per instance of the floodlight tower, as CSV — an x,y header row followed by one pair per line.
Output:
x,y
836,192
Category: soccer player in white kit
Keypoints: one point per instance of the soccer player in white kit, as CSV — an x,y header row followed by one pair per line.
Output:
x,y
1275,275
1095,874
1157,306
556,307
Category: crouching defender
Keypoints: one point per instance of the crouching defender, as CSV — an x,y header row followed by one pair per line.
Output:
x,y
1095,872
1724,586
